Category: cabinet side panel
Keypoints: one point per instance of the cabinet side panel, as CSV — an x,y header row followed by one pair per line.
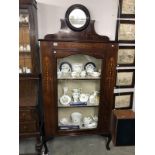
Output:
x,y
47,88
108,84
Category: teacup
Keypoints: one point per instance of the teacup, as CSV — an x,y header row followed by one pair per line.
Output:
x,y
83,74
77,67
75,74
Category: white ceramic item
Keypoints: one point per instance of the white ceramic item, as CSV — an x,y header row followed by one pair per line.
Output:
x,y
64,121
65,100
83,74
28,70
65,68
59,73
77,67
93,99
76,97
87,120
75,74
95,74
76,118
28,48
89,68
84,97
21,48
91,125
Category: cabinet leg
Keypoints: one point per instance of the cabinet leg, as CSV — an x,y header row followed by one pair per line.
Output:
x,y
38,145
108,142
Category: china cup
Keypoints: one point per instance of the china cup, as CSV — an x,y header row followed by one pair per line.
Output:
x,y
76,118
77,67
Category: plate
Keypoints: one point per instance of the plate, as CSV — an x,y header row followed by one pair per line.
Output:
x,y
65,100
65,67
90,67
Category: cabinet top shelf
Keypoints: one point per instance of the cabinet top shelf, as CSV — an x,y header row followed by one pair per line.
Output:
x,y
79,78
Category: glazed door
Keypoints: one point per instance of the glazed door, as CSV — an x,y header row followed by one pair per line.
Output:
x,y
79,89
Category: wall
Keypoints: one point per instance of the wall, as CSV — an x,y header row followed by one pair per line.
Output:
x,y
104,12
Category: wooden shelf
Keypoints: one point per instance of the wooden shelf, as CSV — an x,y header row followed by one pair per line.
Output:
x,y
24,24
77,106
25,52
26,76
80,78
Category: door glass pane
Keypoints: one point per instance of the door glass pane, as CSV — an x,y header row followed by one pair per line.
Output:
x,y
78,94
25,61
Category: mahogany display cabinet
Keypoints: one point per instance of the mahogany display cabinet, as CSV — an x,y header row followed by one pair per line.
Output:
x,y
29,74
78,79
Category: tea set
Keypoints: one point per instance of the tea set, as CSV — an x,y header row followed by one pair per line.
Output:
x,y
77,119
79,98
77,70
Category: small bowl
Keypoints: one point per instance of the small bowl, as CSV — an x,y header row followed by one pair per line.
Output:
x,y
64,121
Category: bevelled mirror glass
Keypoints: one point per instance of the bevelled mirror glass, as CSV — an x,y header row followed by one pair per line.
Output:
x,y
77,17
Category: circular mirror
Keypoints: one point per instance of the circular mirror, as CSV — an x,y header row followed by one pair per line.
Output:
x,y
77,17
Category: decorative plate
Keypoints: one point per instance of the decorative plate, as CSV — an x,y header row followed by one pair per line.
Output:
x,y
65,67
90,67
65,100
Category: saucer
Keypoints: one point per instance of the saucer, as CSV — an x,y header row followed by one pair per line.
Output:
x,y
95,74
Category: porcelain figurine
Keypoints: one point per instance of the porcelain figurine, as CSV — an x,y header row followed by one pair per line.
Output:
x,y
93,99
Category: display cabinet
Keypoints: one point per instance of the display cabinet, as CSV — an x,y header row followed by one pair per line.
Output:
x,y
29,77
28,35
78,79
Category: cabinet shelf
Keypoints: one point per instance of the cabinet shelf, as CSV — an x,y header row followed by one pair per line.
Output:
x,y
26,76
77,129
77,106
23,24
25,52
86,78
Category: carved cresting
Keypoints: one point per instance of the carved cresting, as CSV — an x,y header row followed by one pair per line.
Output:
x,y
46,73
110,72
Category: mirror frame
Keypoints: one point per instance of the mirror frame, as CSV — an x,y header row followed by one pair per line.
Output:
x,y
84,9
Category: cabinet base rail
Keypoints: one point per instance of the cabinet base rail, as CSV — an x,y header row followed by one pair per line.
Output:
x,y
45,140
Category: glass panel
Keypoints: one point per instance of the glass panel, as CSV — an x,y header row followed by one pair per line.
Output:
x,y
78,91
25,63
